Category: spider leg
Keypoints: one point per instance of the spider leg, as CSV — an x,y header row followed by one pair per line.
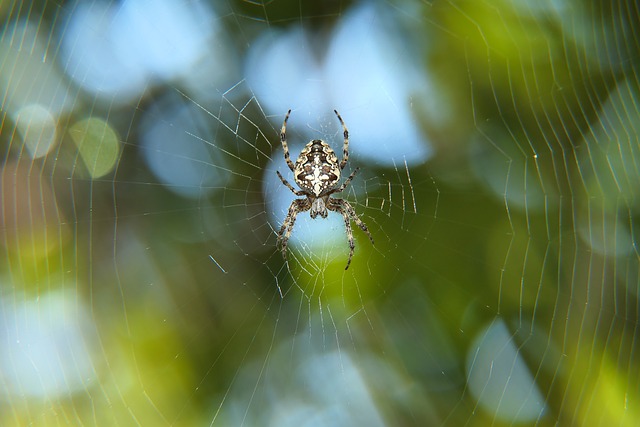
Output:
x,y
283,140
349,214
347,227
345,147
297,206
355,218
346,182
290,187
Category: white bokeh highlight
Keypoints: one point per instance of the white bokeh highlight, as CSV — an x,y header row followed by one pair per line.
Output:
x,y
283,72
117,50
313,385
370,76
37,127
177,146
365,74
498,377
46,345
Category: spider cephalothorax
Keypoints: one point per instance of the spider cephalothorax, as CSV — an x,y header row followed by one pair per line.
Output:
x,y
317,173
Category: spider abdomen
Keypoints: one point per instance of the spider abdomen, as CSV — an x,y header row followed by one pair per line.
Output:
x,y
317,169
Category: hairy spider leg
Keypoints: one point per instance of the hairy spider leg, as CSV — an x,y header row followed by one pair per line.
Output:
x,y
290,187
345,147
302,205
352,244
349,214
283,140
297,206
345,183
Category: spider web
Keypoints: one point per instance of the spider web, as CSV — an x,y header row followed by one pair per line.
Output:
x,y
140,281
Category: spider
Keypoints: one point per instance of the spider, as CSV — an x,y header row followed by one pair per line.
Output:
x,y
317,173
